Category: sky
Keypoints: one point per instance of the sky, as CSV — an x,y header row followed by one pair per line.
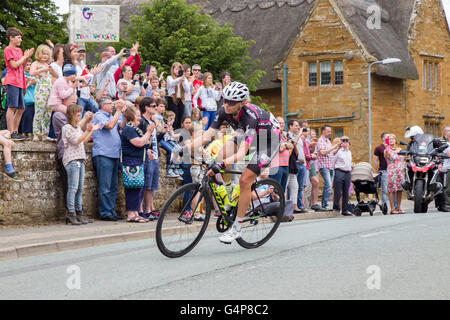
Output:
x,y
64,7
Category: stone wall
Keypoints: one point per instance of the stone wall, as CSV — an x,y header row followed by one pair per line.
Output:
x,y
39,199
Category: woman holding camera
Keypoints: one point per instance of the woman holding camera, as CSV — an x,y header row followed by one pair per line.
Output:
x,y
395,172
209,95
177,85
129,88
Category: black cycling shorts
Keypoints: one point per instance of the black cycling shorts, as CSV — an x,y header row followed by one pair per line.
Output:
x,y
265,147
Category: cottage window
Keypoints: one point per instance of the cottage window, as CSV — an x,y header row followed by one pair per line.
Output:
x,y
431,128
338,132
325,73
338,72
312,74
436,76
430,76
425,75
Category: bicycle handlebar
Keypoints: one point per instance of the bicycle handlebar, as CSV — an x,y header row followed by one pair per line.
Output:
x,y
209,163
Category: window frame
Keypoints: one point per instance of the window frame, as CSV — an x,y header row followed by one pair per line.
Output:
x,y
431,75
341,75
311,73
330,73
317,61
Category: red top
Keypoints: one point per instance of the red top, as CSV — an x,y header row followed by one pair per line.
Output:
x,y
197,84
135,66
14,77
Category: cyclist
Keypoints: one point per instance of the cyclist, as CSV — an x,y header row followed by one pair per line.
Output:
x,y
257,131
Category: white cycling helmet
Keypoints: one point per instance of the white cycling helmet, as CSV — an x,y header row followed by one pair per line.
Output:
x,y
412,131
236,91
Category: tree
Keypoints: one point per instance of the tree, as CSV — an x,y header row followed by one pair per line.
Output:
x,y
37,19
171,30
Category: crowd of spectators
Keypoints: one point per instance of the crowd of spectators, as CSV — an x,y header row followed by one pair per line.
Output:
x,y
130,117
51,94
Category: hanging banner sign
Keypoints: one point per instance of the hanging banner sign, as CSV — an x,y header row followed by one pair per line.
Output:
x,y
94,23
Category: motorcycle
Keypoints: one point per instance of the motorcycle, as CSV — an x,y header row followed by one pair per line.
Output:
x,y
422,170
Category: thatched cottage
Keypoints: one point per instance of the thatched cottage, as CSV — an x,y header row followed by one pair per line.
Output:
x,y
316,54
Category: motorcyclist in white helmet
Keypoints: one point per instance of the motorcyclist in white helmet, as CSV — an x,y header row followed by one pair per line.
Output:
x,y
411,132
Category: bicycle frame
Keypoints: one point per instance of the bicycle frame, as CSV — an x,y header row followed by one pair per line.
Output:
x,y
212,186
210,183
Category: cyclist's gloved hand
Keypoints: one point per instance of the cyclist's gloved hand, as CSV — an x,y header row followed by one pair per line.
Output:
x,y
217,167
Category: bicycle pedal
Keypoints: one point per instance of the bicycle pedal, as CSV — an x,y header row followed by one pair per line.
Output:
x,y
187,221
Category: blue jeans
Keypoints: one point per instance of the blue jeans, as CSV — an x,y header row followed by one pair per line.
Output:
x,y
51,130
301,168
383,182
107,178
210,115
75,180
384,193
281,175
87,105
187,108
168,146
26,123
327,176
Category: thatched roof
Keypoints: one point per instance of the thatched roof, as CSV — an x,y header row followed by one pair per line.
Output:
x,y
390,40
274,25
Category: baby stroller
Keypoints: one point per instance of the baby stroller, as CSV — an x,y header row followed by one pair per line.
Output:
x,y
364,181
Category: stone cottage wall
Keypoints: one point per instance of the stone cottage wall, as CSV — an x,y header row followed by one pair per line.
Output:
x,y
39,198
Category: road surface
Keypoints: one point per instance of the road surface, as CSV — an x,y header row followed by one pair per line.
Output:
x,y
380,257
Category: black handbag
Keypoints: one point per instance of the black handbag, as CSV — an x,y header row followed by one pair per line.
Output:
x,y
293,163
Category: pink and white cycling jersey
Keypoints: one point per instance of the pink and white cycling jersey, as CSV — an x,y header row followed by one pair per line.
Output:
x,y
256,127
250,122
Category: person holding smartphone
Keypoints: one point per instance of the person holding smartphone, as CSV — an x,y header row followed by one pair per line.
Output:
x,y
342,176
380,165
177,85
395,173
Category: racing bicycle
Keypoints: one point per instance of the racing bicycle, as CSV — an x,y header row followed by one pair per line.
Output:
x,y
178,232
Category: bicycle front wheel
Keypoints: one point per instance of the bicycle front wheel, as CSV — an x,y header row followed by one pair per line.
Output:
x,y
263,215
178,231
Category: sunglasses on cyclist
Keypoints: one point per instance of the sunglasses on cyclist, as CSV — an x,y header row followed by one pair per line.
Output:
x,y
230,103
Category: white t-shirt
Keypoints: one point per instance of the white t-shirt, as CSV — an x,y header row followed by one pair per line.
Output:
x,y
57,68
134,94
85,92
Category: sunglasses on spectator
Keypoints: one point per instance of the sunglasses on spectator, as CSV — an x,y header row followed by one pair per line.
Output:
x,y
153,106
196,69
345,140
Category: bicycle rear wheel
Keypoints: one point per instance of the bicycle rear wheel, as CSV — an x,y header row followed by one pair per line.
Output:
x,y
264,214
177,232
